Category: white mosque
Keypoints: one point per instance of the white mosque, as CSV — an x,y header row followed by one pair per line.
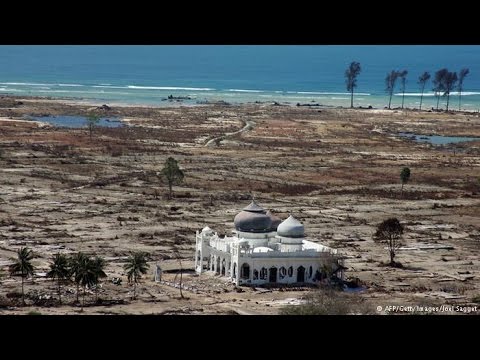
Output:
x,y
263,249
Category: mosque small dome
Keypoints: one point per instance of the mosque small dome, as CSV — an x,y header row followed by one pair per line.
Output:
x,y
207,230
252,218
291,227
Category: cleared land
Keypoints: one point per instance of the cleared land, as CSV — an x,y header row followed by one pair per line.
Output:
x,y
337,170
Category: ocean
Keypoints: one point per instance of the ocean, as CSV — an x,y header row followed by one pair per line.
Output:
x,y
148,75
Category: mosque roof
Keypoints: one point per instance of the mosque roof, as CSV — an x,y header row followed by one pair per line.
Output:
x,y
254,207
252,222
253,218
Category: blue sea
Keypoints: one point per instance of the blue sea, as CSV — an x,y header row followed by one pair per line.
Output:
x,y
147,75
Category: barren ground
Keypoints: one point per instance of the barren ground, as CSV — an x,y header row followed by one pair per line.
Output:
x,y
337,170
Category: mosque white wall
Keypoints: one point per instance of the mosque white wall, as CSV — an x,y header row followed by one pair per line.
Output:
x,y
297,261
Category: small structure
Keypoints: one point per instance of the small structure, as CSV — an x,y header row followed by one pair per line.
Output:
x,y
263,249
158,273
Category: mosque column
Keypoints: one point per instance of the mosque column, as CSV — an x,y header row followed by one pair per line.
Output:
x,y
238,274
201,260
215,263
196,247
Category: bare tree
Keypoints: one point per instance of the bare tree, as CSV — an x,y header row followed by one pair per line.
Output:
x,y
390,81
179,258
439,83
351,78
461,76
390,231
403,78
450,82
422,81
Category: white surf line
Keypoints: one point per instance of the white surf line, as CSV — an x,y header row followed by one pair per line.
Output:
x,y
248,126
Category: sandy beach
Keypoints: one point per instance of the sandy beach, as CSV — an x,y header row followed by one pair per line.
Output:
x,y
337,170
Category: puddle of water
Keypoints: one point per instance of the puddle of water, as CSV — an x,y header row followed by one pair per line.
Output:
x,y
75,121
354,290
436,139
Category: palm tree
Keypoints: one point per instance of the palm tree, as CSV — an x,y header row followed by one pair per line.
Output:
x,y
86,275
450,82
351,78
98,268
23,266
59,270
461,76
422,81
136,266
439,83
403,78
75,263
390,81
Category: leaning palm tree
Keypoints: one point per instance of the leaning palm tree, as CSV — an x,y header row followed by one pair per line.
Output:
x,y
136,266
23,266
422,81
59,270
75,263
390,82
450,83
98,264
351,75
403,77
461,76
439,83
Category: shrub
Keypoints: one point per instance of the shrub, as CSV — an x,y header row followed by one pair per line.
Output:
x,y
328,302
34,312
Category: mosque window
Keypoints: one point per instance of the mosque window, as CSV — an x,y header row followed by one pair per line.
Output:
x,y
263,274
283,272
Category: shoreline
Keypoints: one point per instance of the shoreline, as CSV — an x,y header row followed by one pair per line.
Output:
x,y
178,104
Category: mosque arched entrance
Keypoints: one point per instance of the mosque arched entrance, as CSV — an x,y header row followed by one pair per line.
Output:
x,y
301,274
273,275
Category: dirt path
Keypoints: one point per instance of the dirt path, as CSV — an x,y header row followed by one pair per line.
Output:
x,y
248,125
